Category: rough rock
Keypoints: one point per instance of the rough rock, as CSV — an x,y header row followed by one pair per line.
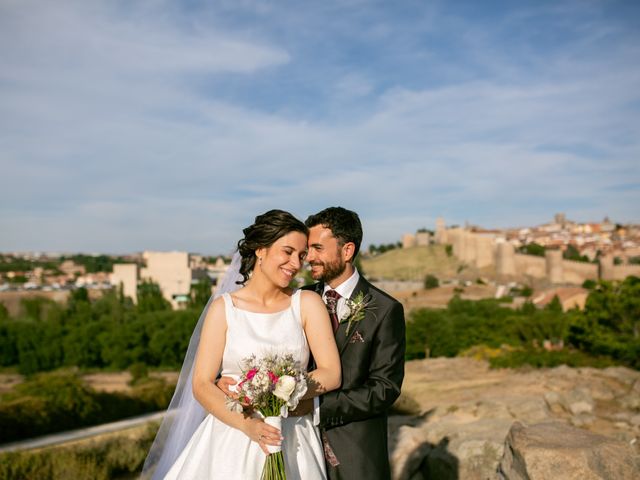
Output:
x,y
582,420
579,401
465,411
554,402
556,450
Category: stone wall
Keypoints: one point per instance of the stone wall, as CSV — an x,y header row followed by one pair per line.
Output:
x,y
577,272
553,260
530,265
620,272
484,250
485,255
505,259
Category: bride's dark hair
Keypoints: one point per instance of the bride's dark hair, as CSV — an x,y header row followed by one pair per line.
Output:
x,y
266,229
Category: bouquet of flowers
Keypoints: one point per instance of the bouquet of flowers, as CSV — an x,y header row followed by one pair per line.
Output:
x,y
271,385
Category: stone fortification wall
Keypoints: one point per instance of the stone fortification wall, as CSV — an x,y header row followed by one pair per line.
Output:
x,y
554,266
609,271
483,250
620,272
441,232
456,237
423,239
530,265
505,259
578,272
471,248
408,240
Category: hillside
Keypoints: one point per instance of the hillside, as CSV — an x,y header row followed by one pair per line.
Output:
x,y
411,263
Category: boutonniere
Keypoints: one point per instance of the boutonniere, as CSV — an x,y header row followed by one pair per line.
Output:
x,y
355,309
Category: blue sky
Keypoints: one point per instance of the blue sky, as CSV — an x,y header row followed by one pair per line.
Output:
x,y
131,125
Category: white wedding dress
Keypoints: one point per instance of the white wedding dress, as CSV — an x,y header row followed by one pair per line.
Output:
x,y
218,451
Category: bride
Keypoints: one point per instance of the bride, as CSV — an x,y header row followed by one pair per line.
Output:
x,y
200,438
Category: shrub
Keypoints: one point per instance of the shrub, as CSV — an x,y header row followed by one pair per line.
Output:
x,y
538,358
431,281
97,460
138,371
59,401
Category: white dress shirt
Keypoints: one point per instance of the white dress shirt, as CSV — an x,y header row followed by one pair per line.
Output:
x,y
345,289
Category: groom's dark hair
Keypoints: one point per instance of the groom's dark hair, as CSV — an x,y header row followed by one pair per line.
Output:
x,y
344,224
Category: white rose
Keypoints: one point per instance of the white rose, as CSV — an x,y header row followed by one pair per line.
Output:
x,y
301,389
285,386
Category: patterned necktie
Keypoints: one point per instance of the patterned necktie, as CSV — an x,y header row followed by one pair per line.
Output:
x,y
331,297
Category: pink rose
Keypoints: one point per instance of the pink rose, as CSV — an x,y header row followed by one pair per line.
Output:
x,y
252,373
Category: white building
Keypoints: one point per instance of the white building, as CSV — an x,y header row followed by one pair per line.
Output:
x,y
170,270
127,275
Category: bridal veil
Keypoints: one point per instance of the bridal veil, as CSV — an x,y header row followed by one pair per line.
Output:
x,y
185,413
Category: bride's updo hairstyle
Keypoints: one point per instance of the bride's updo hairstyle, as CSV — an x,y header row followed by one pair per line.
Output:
x,y
266,229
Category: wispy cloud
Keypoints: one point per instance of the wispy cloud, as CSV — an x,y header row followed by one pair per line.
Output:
x,y
153,124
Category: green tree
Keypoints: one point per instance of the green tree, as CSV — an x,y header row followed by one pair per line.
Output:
x,y
572,253
8,350
611,322
150,298
200,293
554,306
64,392
39,346
532,249
431,281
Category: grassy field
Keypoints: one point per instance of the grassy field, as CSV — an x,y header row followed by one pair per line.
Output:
x,y
411,264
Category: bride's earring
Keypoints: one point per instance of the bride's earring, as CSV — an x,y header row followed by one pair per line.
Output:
x,y
260,261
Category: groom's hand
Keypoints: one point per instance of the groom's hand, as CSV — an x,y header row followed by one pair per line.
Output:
x,y
225,384
303,408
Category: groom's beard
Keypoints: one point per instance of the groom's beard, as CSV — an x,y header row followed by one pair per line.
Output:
x,y
330,270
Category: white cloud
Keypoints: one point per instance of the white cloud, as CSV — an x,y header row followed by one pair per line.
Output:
x,y
129,129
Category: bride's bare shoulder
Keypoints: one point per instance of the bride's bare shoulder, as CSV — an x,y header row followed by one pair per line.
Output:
x,y
311,298
216,310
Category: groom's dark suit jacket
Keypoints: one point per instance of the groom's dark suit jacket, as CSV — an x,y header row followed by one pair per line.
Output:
x,y
354,417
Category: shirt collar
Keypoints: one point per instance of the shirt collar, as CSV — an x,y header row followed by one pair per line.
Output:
x,y
346,288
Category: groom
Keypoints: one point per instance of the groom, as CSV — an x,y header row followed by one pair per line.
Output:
x,y
353,419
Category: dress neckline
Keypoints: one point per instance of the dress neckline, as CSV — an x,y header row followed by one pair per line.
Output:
x,y
295,292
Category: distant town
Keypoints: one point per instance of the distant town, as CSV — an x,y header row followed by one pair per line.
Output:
x,y
561,252
579,241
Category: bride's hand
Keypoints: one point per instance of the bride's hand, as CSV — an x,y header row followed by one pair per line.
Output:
x,y
262,434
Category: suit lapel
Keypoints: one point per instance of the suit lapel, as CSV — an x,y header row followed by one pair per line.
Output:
x,y
342,339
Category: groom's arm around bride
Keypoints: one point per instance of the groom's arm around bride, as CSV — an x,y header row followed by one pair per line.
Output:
x,y
354,417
